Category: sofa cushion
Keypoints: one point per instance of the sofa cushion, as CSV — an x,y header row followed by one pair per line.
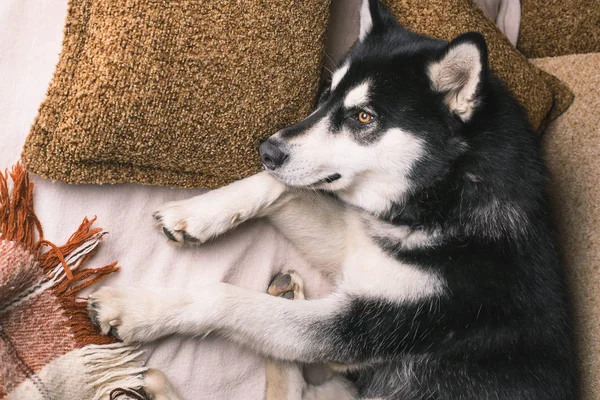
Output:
x,y
572,147
559,27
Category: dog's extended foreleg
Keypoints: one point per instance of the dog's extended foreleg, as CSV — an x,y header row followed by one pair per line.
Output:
x,y
209,215
335,329
276,327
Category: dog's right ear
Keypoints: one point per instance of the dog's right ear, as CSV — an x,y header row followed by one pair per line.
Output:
x,y
374,19
459,72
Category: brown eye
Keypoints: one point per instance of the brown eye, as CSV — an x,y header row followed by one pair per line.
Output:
x,y
364,117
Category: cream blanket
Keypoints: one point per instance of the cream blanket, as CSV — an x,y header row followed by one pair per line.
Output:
x,y
30,40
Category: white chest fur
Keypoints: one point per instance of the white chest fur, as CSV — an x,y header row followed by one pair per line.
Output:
x,y
368,271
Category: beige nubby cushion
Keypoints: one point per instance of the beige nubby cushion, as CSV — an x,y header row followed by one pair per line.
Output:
x,y
572,146
176,92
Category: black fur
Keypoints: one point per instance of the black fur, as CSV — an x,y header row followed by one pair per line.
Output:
x,y
502,331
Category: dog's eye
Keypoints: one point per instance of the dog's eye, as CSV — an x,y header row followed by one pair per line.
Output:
x,y
364,117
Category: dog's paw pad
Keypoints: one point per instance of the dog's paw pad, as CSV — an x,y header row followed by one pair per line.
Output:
x,y
288,285
189,238
169,234
104,309
191,222
178,233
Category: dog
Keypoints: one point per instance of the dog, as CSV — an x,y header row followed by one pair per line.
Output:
x,y
418,186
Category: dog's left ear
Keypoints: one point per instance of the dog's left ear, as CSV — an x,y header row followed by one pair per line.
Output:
x,y
459,72
374,19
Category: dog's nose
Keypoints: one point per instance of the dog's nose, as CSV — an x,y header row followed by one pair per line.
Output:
x,y
271,155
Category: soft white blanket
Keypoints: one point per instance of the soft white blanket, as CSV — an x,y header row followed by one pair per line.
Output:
x,y
30,41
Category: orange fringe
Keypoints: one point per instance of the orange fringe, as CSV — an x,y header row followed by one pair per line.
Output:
x,y
19,223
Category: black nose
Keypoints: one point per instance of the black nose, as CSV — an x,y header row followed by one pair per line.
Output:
x,y
271,155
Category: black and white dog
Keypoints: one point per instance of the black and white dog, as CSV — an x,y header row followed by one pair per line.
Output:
x,y
418,185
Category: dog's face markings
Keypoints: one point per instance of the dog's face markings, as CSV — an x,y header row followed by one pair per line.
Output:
x,y
392,108
339,74
357,97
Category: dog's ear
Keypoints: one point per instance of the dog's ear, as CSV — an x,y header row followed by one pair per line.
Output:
x,y
374,19
459,71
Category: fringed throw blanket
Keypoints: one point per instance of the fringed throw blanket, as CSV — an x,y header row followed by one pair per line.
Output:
x,y
48,347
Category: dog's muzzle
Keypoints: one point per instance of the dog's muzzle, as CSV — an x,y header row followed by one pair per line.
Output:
x,y
271,154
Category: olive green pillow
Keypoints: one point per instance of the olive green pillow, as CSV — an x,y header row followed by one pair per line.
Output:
x,y
176,92
543,95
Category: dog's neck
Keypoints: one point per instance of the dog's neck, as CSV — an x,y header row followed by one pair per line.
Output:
x,y
392,206
375,195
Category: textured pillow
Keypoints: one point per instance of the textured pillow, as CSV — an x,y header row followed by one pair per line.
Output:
x,y
175,92
544,96
559,27
572,146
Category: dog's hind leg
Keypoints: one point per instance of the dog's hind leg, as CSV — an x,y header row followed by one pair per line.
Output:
x,y
158,387
284,379
289,381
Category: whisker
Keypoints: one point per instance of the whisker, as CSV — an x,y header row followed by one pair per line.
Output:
x,y
330,58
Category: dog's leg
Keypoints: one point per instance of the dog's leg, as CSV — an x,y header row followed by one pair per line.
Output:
x,y
336,329
209,215
298,330
286,380
313,221
158,387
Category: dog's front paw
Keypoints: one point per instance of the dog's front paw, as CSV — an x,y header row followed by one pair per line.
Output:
x,y
199,219
127,314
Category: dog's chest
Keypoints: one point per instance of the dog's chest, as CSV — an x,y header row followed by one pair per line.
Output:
x,y
368,271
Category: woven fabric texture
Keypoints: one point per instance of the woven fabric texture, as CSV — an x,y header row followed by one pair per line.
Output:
x,y
175,92
559,27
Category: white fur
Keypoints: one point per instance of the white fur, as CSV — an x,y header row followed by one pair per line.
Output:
x,y
357,96
457,74
271,325
371,174
158,386
338,388
380,171
366,21
339,75
216,212
320,237
406,237
369,272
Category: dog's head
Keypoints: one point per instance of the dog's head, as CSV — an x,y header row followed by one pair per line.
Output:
x,y
388,122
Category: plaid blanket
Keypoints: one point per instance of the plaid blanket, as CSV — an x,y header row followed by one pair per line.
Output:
x,y
48,347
